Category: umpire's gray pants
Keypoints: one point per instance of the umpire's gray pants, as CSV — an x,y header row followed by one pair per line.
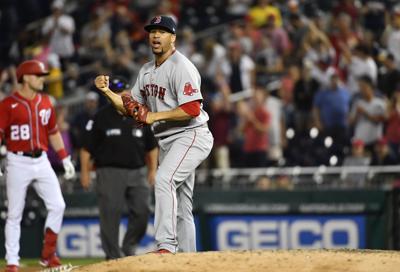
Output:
x,y
115,187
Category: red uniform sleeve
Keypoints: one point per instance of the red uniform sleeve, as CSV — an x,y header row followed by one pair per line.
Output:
x,y
52,125
192,108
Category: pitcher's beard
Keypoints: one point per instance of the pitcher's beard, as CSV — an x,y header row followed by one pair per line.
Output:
x,y
159,53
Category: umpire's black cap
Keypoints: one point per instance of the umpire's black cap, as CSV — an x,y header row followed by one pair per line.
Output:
x,y
118,84
163,22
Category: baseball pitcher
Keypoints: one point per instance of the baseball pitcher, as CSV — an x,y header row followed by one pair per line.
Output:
x,y
167,96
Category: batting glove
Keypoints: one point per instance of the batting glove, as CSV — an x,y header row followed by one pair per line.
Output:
x,y
69,168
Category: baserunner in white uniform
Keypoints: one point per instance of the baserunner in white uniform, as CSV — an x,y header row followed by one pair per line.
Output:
x,y
167,95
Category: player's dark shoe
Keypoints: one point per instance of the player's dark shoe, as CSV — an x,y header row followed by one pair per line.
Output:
x,y
52,261
11,268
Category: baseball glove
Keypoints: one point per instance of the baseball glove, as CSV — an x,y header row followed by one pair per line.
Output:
x,y
141,114
130,104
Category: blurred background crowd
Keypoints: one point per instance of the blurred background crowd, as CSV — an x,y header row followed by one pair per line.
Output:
x,y
285,82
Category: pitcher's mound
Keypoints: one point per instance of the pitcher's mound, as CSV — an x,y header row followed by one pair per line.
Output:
x,y
249,261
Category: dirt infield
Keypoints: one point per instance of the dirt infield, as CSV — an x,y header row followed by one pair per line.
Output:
x,y
249,261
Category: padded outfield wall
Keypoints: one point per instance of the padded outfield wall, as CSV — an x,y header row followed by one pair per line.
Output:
x,y
242,219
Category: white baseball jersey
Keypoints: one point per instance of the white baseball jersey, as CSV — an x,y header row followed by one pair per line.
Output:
x,y
166,87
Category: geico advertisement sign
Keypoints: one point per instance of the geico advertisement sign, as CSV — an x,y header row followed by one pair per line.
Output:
x,y
81,238
287,232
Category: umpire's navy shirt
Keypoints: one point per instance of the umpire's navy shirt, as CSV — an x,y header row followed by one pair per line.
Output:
x,y
114,140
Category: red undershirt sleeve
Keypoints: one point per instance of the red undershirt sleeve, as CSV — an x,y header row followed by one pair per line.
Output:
x,y
192,108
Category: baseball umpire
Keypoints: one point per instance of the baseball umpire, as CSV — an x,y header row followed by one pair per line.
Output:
x,y
28,124
120,151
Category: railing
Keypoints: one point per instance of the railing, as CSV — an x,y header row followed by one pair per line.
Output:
x,y
301,177
263,179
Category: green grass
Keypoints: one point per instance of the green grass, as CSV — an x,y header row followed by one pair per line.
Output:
x,y
72,261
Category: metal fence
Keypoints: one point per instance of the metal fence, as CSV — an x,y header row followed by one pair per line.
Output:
x,y
292,178
267,179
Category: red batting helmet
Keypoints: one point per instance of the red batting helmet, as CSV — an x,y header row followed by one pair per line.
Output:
x,y
31,67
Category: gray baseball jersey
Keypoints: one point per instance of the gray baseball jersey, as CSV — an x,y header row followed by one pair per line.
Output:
x,y
173,83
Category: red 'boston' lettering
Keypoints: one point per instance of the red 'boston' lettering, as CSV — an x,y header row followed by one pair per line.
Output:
x,y
161,93
147,90
143,94
153,90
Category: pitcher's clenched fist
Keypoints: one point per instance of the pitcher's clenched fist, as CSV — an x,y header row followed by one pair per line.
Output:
x,y
102,82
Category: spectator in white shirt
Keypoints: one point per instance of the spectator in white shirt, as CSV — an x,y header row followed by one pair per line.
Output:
x,y
368,114
359,63
238,68
59,28
391,36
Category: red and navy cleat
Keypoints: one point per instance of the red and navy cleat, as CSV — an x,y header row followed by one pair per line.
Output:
x,y
52,261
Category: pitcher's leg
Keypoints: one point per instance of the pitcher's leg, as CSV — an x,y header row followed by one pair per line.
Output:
x,y
184,153
165,212
185,226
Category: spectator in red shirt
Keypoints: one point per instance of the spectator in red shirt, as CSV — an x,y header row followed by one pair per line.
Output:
x,y
392,132
344,36
348,7
256,121
221,114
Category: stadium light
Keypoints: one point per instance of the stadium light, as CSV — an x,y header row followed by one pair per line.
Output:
x,y
333,160
328,142
290,133
314,132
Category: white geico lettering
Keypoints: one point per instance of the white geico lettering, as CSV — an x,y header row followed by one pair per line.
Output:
x,y
340,225
239,231
80,241
83,240
280,234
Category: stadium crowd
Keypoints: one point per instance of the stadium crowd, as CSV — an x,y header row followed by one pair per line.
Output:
x,y
324,76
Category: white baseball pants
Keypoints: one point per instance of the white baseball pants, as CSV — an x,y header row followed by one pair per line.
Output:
x,y
21,171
